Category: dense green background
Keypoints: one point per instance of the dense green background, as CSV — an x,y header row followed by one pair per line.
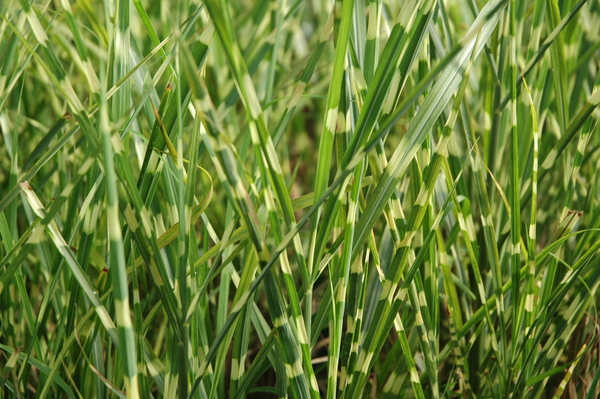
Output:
x,y
303,198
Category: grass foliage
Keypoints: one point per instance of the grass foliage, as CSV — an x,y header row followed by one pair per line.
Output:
x,y
293,198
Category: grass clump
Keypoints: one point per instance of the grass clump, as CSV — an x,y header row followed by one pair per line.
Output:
x,y
301,199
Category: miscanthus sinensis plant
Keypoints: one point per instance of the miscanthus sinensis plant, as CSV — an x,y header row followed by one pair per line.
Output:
x,y
305,199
